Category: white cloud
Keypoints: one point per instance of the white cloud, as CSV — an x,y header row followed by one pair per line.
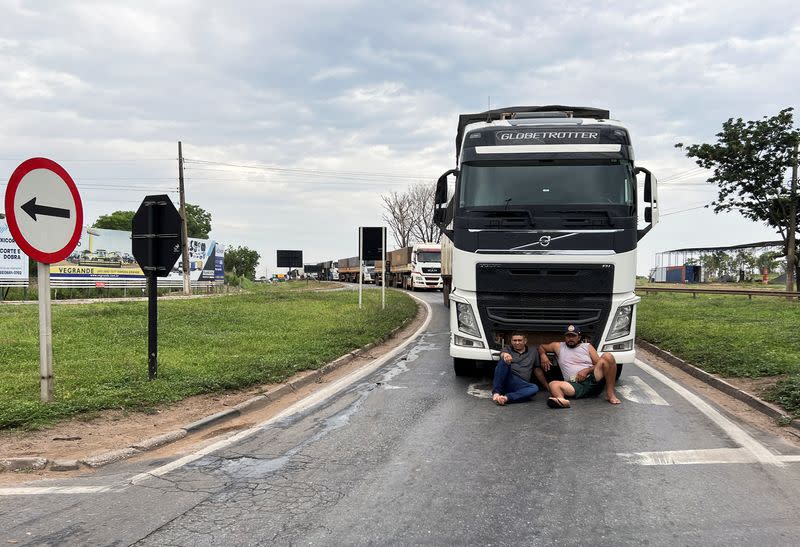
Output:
x,y
334,72
321,86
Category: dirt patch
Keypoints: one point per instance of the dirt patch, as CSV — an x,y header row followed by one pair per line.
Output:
x,y
756,386
111,430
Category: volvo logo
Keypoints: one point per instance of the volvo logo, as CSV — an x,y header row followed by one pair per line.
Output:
x,y
544,241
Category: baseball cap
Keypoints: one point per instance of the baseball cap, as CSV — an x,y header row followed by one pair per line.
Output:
x,y
572,329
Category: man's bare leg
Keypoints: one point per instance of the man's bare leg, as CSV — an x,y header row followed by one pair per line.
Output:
x,y
607,368
539,374
560,391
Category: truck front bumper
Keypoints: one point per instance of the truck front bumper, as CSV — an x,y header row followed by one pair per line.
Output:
x,y
427,282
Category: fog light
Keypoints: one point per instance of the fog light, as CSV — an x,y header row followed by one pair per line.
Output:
x,y
466,342
619,346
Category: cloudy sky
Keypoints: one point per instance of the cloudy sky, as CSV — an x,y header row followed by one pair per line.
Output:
x,y
296,116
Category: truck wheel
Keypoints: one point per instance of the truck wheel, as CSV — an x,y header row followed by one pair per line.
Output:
x,y
463,367
619,371
446,294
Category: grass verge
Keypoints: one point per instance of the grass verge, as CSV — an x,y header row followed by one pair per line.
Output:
x,y
731,336
205,345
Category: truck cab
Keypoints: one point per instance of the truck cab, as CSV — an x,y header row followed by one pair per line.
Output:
x,y
541,230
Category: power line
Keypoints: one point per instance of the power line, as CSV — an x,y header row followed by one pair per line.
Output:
x,y
682,211
317,172
105,160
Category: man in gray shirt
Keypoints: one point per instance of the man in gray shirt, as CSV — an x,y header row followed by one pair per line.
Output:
x,y
512,375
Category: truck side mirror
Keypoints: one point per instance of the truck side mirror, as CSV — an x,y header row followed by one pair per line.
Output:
x,y
649,184
648,214
438,215
441,187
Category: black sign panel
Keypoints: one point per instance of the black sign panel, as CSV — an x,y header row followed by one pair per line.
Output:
x,y
290,259
156,238
372,243
312,268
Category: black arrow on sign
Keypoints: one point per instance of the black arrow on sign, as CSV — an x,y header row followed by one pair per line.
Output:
x,y
32,209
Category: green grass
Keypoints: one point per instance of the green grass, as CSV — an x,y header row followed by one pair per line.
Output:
x,y
730,336
205,345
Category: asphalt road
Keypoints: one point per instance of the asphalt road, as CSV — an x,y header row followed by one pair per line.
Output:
x,y
410,454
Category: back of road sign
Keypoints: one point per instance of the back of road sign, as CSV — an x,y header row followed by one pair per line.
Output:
x,y
156,238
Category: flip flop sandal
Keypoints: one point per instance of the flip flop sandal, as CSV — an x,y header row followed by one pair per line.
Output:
x,y
553,402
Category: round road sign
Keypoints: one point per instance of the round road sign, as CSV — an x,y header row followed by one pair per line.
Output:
x,y
44,210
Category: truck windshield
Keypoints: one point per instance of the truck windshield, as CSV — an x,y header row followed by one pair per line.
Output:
x,y
429,256
509,186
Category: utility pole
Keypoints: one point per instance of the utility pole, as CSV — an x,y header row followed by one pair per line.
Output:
x,y
187,286
791,259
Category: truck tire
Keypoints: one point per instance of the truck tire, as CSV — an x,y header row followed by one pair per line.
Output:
x,y
446,294
619,371
463,367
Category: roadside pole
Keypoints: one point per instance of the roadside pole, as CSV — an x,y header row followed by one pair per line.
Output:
x,y
791,258
45,215
155,243
152,325
360,271
45,334
187,285
383,268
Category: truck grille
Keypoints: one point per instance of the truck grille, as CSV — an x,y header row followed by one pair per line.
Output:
x,y
544,298
536,316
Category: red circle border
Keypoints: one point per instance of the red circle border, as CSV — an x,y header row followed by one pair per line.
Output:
x,y
13,183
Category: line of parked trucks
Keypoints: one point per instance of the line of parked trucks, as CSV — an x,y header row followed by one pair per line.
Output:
x,y
414,267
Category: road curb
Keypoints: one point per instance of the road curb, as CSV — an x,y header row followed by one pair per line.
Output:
x,y
301,380
762,406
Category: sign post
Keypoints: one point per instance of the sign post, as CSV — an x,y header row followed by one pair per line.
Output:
x,y
48,232
156,245
372,246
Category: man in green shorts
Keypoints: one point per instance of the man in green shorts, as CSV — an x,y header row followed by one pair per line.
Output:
x,y
586,373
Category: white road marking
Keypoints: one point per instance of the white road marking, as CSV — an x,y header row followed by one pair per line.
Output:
x,y
638,391
759,453
692,457
478,390
38,490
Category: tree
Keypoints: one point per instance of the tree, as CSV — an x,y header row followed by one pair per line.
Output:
x,y
198,221
750,163
768,261
399,216
410,215
241,261
421,196
118,220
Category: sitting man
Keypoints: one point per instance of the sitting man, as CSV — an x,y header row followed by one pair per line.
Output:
x,y
585,372
512,375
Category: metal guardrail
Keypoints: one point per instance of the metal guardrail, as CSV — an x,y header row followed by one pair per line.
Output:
x,y
699,290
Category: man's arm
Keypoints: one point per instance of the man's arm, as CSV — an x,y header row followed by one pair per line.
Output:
x,y
583,373
543,349
505,354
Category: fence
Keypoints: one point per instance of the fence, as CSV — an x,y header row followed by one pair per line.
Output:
x,y
742,292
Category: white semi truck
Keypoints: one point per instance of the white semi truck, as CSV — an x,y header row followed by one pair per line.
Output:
x,y
349,268
413,267
541,230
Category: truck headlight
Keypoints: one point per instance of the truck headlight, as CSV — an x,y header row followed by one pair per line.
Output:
x,y
621,326
466,319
